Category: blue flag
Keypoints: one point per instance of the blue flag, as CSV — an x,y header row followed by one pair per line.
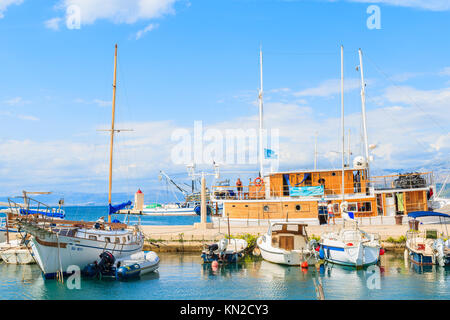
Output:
x,y
270,154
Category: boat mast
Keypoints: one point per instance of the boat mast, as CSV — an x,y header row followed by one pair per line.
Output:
x,y
112,131
363,110
315,152
342,120
260,96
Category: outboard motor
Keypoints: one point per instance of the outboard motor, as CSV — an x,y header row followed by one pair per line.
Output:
x,y
213,247
223,244
107,262
104,267
438,246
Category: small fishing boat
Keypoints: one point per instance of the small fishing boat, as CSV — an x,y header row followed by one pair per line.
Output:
x,y
350,246
287,243
18,255
129,267
225,251
428,247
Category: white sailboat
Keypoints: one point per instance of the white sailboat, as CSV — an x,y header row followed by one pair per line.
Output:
x,y
350,246
60,244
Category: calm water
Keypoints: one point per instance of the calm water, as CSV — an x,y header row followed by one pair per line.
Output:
x,y
93,213
183,276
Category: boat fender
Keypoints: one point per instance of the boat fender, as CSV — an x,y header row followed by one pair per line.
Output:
x,y
304,264
381,251
321,253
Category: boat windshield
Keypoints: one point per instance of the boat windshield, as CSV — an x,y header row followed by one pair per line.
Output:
x,y
287,228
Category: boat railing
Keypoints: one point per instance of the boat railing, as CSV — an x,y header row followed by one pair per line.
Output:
x,y
402,181
258,192
25,209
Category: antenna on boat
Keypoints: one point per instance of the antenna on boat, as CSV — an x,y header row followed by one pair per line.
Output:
x,y
342,121
260,97
363,110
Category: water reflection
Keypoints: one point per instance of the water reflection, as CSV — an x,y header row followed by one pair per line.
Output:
x,y
184,276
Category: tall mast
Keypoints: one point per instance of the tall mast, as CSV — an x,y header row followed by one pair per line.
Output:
x,y
363,110
261,154
342,120
349,150
315,152
112,131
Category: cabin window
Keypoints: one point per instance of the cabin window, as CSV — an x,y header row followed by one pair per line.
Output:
x,y
352,207
298,207
128,238
292,227
117,240
92,238
308,180
107,239
365,206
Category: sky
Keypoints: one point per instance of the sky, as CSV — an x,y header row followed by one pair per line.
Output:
x,y
182,61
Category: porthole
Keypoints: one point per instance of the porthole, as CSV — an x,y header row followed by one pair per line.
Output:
x,y
333,174
298,207
266,208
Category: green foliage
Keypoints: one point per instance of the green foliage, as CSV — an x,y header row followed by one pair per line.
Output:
x,y
250,238
317,238
400,240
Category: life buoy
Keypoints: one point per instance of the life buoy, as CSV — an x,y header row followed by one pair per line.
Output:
x,y
258,181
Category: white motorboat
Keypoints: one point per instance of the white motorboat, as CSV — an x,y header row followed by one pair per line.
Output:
x,y
172,209
287,243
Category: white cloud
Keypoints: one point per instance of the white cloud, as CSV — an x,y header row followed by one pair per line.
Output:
x,y
445,71
432,5
102,103
53,23
148,28
120,11
329,88
4,4
16,101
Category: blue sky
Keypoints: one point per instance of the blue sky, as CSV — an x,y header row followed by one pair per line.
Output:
x,y
198,60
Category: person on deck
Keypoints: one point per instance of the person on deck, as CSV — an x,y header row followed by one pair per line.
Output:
x,y
330,212
239,188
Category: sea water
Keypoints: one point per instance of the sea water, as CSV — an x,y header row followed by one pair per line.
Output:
x,y
184,276
92,213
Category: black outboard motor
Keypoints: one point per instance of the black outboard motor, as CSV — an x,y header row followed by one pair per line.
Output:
x,y
107,262
104,268
213,247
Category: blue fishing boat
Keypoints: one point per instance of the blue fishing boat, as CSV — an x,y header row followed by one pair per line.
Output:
x,y
428,247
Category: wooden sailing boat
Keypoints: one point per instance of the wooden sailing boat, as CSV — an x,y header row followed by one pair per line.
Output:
x,y
80,243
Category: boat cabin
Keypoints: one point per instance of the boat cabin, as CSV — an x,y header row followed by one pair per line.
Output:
x,y
306,194
288,236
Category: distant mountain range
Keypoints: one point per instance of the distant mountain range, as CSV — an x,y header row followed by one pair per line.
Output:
x,y
95,199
